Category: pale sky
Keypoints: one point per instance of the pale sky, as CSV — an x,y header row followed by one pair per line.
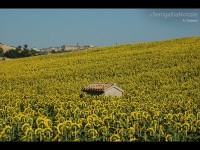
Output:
x,y
100,27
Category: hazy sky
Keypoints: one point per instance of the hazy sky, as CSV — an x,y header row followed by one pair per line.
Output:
x,y
54,27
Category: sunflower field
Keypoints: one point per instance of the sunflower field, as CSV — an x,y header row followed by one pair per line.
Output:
x,y
40,96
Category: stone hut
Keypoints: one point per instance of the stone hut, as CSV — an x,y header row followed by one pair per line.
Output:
x,y
107,89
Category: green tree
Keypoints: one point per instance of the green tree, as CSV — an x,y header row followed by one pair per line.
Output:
x,y
33,52
12,53
19,48
1,52
25,46
53,51
25,53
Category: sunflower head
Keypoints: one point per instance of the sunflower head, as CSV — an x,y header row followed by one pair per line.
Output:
x,y
198,124
1,127
60,128
68,123
38,131
9,119
61,119
8,130
39,120
29,132
168,138
23,118
30,120
1,121
115,138
151,131
25,127
48,122
75,127
117,124
198,115
133,139
48,131
186,126
83,121
92,133
42,125
17,119
131,131
97,123
107,121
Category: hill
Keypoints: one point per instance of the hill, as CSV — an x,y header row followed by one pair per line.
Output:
x,y
6,47
161,80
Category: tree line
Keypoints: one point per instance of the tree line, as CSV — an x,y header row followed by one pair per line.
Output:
x,y
20,52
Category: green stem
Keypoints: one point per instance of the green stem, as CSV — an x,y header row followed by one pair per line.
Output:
x,y
75,133
13,133
175,136
93,135
31,137
40,137
70,137
66,136
106,134
18,129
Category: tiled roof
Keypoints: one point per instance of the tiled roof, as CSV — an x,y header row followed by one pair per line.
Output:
x,y
97,86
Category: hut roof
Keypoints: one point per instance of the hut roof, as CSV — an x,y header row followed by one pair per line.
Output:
x,y
97,87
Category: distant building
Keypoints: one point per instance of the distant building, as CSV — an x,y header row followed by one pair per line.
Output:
x,y
107,89
48,50
66,47
36,49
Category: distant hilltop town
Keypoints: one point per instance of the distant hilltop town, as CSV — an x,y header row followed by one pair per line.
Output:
x,y
7,51
66,47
